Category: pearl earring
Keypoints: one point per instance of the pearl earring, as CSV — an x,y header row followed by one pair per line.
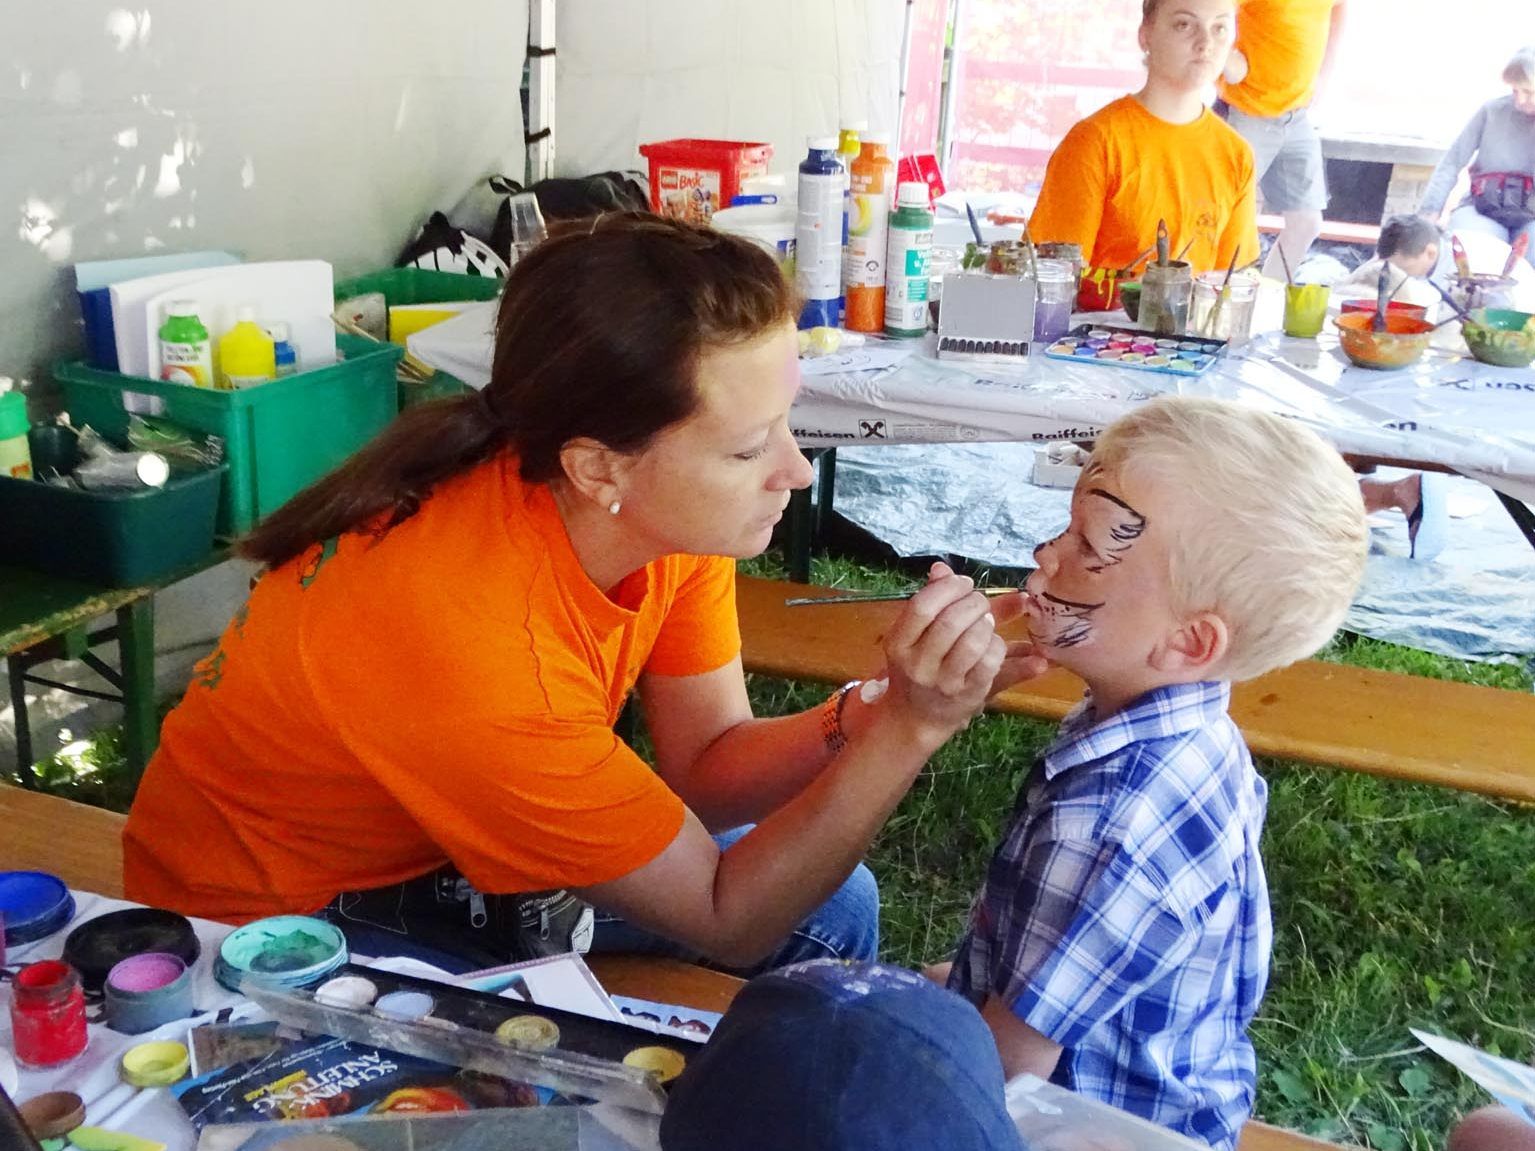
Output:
x,y
613,507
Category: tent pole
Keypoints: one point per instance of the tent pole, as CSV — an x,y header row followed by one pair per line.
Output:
x,y
900,97
540,130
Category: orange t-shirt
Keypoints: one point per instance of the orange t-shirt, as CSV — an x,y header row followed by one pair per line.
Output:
x,y
1122,169
444,693
1285,42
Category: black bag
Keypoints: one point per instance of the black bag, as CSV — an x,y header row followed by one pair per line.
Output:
x,y
1507,197
446,248
567,198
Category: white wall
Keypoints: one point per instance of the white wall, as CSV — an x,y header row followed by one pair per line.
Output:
x,y
633,71
325,128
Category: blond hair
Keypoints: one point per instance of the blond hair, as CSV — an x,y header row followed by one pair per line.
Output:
x,y
1521,69
1270,529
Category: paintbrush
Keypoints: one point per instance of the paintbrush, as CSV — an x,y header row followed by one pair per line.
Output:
x,y
975,225
1162,243
1183,251
1462,264
1284,262
1516,253
1448,299
1212,324
1129,269
880,597
1028,251
1382,298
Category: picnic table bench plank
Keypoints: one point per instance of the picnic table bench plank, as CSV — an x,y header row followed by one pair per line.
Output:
x,y
1463,736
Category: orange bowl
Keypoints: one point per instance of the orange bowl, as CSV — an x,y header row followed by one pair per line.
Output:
x,y
1403,342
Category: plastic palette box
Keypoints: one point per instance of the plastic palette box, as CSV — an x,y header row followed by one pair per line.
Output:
x,y
1137,350
279,437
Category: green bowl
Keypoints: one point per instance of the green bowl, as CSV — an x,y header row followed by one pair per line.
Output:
x,y
1501,336
1130,298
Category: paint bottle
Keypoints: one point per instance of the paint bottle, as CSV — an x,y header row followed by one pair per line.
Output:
x,y
818,235
284,354
906,252
15,449
47,1014
863,264
247,355
186,352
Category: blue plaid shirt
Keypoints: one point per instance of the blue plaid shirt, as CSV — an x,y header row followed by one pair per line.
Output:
x,y
1125,915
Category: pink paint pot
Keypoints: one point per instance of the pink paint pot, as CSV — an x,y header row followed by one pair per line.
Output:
x,y
146,991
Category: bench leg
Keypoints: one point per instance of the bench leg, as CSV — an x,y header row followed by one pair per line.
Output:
x,y
16,672
136,643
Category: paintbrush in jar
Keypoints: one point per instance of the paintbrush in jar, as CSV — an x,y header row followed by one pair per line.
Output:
x,y
1212,324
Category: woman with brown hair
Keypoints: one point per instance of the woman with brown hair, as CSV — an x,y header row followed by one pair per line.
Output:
x,y
417,704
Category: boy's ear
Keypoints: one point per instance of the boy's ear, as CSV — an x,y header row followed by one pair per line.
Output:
x,y
1196,646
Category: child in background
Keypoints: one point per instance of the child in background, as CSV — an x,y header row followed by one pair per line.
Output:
x,y
1120,944
1410,244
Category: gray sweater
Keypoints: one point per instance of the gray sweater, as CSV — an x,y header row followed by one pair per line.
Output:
x,y
1502,139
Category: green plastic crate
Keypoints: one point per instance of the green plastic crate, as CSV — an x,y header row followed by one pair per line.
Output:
x,y
119,537
279,437
423,286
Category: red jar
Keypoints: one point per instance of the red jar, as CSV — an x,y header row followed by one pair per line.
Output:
x,y
47,1014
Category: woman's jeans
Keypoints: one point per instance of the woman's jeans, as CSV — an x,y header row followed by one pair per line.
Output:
x,y
1467,219
410,919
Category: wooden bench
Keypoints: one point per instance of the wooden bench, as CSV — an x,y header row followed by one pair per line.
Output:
x,y
83,846
1337,231
1471,738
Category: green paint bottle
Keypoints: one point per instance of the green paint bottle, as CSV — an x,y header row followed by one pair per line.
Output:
x,y
906,251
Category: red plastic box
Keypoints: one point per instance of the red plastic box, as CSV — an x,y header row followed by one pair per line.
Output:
x,y
692,179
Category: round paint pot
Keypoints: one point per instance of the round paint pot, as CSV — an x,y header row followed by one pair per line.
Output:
x,y
1186,366
1133,358
532,1032
1158,361
156,1064
664,1063
98,945
283,951
1190,346
1084,350
350,991
1099,333
34,905
54,1115
1108,354
1096,342
405,1006
1167,344
146,991
1064,348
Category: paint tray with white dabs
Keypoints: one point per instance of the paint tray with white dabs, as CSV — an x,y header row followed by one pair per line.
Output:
x,y
578,1056
1137,350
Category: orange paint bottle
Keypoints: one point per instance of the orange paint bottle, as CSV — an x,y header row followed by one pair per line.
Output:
x,y
863,261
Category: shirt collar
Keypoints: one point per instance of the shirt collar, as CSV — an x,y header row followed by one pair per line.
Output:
x,y
1171,710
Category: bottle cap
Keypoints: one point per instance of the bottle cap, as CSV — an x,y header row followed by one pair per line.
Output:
x,y
153,469
912,194
245,312
277,329
855,125
881,139
182,308
821,143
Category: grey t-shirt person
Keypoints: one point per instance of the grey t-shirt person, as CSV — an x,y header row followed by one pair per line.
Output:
x,y
1499,136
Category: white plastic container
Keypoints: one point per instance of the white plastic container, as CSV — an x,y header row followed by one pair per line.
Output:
x,y
770,225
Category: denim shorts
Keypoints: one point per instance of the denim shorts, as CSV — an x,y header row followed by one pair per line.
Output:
x,y
1287,157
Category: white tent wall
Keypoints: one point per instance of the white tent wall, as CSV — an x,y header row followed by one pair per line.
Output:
x,y
290,128
633,71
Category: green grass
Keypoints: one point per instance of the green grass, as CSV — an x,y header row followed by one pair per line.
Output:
x,y
1394,905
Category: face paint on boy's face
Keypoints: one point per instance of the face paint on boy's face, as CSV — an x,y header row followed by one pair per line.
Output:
x,y
1103,530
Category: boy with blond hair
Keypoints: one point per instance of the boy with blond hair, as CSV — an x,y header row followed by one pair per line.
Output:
x,y
1120,944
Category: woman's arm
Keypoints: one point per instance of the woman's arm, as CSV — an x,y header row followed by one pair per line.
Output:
x,y
1442,182
730,768
943,656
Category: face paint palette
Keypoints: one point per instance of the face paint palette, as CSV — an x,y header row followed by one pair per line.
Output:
x,y
578,1056
1137,350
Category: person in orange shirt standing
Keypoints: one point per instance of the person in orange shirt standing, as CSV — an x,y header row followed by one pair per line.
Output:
x,y
1284,52
409,728
1158,154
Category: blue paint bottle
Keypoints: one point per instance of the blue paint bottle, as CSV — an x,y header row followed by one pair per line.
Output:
x,y
818,234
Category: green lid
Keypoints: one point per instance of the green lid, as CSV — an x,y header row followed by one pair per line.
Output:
x,y
13,415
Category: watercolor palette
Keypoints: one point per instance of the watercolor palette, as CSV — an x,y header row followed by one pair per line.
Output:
x,y
1138,350
574,1054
